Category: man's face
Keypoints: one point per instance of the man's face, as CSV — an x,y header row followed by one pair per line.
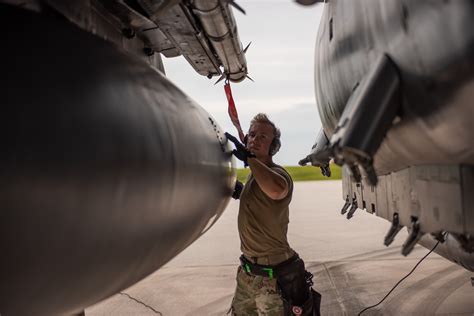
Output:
x,y
260,138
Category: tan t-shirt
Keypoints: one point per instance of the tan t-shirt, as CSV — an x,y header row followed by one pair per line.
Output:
x,y
263,222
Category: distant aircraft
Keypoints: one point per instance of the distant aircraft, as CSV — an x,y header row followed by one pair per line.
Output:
x,y
394,86
107,169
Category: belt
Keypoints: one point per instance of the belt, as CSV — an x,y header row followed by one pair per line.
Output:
x,y
271,259
269,271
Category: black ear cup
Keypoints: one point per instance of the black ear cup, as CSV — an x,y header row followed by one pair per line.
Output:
x,y
274,146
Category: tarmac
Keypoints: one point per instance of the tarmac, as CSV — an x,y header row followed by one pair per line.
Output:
x,y
351,266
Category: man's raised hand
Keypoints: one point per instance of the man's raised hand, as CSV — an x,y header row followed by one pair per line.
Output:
x,y
240,151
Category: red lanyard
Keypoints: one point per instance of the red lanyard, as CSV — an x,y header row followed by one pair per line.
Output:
x,y
234,117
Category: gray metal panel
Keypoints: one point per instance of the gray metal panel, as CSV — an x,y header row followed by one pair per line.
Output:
x,y
390,205
110,28
159,42
124,14
438,190
438,195
451,249
189,40
104,26
357,189
346,184
164,26
370,198
123,17
381,206
77,11
159,7
401,196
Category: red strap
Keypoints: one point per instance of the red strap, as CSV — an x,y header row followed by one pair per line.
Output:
x,y
234,117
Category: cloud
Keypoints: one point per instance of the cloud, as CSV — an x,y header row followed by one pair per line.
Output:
x,y
299,125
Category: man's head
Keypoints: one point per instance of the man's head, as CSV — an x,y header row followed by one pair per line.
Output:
x,y
263,137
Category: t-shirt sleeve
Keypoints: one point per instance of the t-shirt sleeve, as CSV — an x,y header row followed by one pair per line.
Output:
x,y
285,174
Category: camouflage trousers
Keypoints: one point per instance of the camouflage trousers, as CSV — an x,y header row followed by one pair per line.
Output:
x,y
256,295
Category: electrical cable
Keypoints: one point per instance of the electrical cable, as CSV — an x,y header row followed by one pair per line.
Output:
x,y
401,280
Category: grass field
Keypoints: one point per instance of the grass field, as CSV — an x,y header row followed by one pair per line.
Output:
x,y
306,173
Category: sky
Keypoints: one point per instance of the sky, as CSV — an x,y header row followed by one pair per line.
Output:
x,y
281,62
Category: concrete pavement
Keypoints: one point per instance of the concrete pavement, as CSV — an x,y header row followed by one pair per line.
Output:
x,y
352,267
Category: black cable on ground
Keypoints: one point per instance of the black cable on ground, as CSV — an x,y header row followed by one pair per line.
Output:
x,y
140,302
406,276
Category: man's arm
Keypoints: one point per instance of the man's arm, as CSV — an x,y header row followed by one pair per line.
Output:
x,y
272,184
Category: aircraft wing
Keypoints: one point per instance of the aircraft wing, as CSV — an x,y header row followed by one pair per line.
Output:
x,y
203,32
394,88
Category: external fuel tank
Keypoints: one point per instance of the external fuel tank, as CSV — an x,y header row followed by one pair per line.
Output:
x,y
107,169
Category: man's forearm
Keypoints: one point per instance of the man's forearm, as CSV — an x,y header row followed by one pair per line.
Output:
x,y
272,184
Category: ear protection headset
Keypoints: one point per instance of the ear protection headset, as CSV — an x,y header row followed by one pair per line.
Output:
x,y
274,146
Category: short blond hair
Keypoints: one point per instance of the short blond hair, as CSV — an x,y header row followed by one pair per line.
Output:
x,y
263,118
276,143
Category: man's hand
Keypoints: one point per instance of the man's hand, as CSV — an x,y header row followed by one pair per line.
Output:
x,y
237,190
240,151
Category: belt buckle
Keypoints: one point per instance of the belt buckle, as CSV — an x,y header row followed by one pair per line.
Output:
x,y
247,268
269,271
244,264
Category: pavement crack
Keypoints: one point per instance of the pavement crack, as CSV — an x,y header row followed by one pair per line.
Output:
x,y
140,302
